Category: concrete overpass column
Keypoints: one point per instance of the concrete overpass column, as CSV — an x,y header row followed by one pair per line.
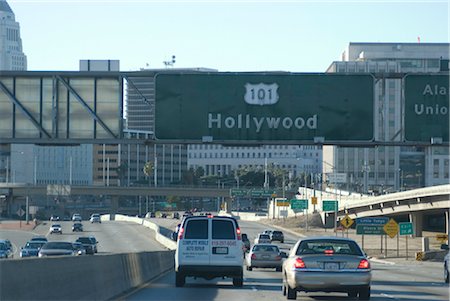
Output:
x,y
417,219
114,206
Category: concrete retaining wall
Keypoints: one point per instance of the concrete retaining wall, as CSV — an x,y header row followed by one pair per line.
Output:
x,y
98,277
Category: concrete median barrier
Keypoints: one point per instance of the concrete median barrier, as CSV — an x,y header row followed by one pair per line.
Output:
x,y
99,277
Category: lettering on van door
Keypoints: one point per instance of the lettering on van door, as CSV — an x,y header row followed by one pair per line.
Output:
x,y
197,246
215,243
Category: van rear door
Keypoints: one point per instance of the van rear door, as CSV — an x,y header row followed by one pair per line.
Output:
x,y
226,246
193,246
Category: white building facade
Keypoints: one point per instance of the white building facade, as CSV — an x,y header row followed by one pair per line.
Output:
x,y
393,168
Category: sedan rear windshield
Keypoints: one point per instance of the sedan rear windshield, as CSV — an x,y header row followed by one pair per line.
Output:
x,y
259,248
58,245
325,246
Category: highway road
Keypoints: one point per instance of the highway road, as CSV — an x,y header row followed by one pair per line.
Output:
x,y
113,237
412,281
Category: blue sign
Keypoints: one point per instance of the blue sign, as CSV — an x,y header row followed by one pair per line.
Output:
x,y
372,220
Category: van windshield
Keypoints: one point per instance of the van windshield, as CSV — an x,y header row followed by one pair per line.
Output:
x,y
223,230
196,229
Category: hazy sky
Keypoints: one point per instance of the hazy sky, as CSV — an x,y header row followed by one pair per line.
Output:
x,y
297,36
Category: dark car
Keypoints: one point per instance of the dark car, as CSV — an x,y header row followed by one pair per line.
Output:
x,y
176,215
277,235
245,242
87,243
31,248
77,227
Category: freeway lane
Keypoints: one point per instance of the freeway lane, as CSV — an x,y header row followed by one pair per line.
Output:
x,y
412,281
113,237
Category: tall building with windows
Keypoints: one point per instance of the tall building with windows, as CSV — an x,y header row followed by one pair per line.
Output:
x,y
11,52
11,58
393,168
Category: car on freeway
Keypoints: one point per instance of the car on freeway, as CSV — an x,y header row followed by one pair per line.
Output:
x,y
209,247
4,250
55,228
327,264
79,249
94,242
87,244
245,242
269,232
57,248
76,217
277,236
31,248
54,218
9,247
77,227
262,239
447,268
39,238
176,215
95,218
264,256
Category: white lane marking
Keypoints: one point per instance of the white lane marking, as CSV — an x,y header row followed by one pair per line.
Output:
x,y
388,296
254,289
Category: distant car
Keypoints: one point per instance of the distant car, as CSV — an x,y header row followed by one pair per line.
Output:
x,y
150,214
39,238
54,218
94,242
76,217
77,227
269,232
4,251
57,248
79,249
447,268
277,235
87,244
31,248
327,264
245,242
164,215
95,218
262,239
9,247
55,228
176,215
264,256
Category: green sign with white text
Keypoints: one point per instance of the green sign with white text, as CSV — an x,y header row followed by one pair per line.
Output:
x,y
263,107
426,107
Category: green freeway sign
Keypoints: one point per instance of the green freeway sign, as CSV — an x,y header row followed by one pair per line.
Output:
x,y
238,192
262,193
406,228
263,107
426,107
369,230
329,205
299,204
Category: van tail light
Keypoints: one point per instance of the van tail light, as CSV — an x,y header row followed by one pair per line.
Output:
x,y
253,256
238,233
180,233
299,264
364,264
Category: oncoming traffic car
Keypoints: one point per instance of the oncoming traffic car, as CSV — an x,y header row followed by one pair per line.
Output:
x,y
327,264
209,247
55,228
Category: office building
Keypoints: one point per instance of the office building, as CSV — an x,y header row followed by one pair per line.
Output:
x,y
389,168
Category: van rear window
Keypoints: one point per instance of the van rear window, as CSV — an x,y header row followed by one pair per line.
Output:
x,y
223,229
196,229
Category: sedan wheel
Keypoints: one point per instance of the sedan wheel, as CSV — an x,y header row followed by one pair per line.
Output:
x,y
291,293
352,294
446,275
180,279
364,294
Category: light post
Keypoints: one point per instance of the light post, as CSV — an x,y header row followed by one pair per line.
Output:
x,y
366,169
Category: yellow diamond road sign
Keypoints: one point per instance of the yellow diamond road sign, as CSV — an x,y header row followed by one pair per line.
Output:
x,y
347,222
391,228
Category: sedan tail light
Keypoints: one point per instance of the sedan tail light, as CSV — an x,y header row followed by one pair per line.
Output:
x,y
364,264
299,264
253,256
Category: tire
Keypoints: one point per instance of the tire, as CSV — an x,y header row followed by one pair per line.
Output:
x,y
180,279
446,275
364,294
352,294
291,293
278,269
238,281
283,288
249,268
282,241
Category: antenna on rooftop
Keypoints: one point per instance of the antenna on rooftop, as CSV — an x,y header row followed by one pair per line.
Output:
x,y
170,63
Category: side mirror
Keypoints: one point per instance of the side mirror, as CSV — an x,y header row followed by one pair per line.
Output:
x,y
283,255
444,247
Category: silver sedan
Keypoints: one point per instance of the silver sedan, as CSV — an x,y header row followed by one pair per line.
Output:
x,y
327,264
264,256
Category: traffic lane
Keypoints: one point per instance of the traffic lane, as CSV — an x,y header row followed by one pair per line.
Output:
x,y
261,284
113,237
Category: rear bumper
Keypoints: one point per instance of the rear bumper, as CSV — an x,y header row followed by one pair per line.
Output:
x,y
266,263
210,271
330,281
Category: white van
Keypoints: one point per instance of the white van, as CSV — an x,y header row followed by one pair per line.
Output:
x,y
209,247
